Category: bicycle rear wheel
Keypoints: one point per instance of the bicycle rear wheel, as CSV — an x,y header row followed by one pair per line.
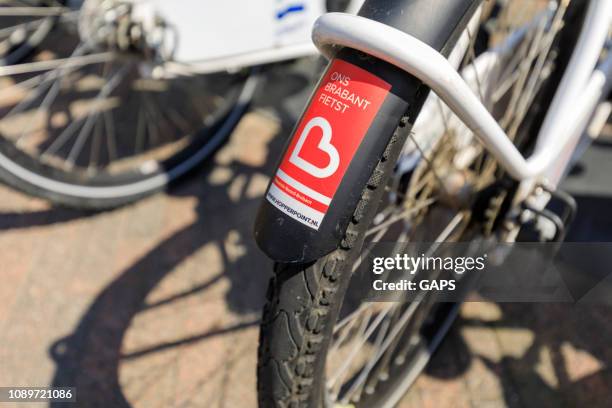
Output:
x,y
319,344
85,118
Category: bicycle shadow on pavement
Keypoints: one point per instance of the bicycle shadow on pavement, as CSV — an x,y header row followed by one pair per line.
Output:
x,y
528,355
533,354
18,220
212,256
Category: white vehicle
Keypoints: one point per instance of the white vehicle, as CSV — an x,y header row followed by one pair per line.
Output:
x,y
105,101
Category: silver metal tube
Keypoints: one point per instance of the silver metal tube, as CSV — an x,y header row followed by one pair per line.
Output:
x,y
578,73
420,60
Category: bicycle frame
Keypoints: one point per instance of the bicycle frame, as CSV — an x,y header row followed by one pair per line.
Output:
x,y
584,85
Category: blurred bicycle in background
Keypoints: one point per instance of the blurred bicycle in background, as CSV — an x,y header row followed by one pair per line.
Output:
x,y
103,102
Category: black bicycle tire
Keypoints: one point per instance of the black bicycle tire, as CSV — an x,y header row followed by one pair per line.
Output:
x,y
300,298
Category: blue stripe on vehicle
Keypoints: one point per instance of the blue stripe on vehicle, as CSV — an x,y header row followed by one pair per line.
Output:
x,y
289,10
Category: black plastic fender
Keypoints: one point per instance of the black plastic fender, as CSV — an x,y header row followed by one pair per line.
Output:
x,y
296,223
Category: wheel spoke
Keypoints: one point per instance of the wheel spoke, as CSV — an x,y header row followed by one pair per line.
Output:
x,y
94,113
365,252
160,113
89,119
32,11
397,329
471,55
351,318
33,24
96,144
356,385
71,62
179,120
364,333
153,120
111,137
404,214
539,55
44,106
56,75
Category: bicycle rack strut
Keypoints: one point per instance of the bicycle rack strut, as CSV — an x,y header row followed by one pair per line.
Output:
x,y
335,30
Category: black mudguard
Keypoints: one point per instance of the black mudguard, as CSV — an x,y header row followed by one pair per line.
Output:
x,y
280,235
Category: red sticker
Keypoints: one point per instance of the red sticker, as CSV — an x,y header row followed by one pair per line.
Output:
x,y
325,141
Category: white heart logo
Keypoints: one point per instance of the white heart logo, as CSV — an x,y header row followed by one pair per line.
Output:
x,y
324,145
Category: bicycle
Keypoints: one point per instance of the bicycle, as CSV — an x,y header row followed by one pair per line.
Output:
x,y
378,157
103,102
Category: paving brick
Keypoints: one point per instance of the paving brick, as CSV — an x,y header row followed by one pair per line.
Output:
x,y
156,304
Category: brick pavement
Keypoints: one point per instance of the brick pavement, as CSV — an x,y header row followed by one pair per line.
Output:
x,y
156,304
